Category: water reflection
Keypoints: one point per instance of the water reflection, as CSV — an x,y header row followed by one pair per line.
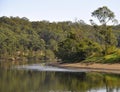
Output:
x,y
36,81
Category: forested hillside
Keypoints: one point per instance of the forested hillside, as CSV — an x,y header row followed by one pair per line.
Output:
x,y
21,39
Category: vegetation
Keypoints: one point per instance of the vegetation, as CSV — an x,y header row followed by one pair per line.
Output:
x,y
21,39
104,15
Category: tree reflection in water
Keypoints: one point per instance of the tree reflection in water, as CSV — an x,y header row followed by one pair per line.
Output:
x,y
36,81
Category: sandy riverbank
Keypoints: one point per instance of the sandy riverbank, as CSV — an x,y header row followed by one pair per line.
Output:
x,y
97,67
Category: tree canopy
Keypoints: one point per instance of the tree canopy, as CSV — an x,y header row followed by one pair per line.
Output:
x,y
21,39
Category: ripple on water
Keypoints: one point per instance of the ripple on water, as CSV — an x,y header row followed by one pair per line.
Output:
x,y
42,67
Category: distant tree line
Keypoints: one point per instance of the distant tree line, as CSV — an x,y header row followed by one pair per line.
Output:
x,y
21,39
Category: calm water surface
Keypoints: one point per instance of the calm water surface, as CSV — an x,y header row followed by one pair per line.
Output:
x,y
39,78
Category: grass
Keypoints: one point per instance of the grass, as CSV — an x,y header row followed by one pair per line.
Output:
x,y
111,58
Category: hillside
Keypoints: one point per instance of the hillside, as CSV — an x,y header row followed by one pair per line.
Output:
x,y
21,39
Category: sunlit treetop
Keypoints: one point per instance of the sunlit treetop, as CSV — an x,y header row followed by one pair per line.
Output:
x,y
104,15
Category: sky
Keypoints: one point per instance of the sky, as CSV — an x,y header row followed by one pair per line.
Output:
x,y
56,10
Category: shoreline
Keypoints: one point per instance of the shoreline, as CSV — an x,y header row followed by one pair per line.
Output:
x,y
90,67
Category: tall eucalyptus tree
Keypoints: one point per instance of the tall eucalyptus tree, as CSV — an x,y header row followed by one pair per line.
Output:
x,y
105,16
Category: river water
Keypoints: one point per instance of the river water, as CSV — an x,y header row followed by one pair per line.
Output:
x,y
41,78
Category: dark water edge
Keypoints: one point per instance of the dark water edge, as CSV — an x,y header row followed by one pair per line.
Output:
x,y
30,79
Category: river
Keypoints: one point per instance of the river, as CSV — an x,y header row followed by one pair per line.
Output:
x,y
41,78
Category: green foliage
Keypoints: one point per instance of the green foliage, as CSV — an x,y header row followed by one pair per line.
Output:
x,y
113,58
42,40
103,14
49,55
107,38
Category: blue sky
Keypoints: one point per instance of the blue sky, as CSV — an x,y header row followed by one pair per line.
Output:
x,y
56,10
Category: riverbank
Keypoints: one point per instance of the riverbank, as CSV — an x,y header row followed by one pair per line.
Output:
x,y
92,67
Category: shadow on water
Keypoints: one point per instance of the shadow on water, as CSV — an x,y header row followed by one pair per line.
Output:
x,y
30,80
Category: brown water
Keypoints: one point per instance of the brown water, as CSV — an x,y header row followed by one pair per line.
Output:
x,y
34,79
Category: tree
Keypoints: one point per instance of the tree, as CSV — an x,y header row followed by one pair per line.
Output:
x,y
104,15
